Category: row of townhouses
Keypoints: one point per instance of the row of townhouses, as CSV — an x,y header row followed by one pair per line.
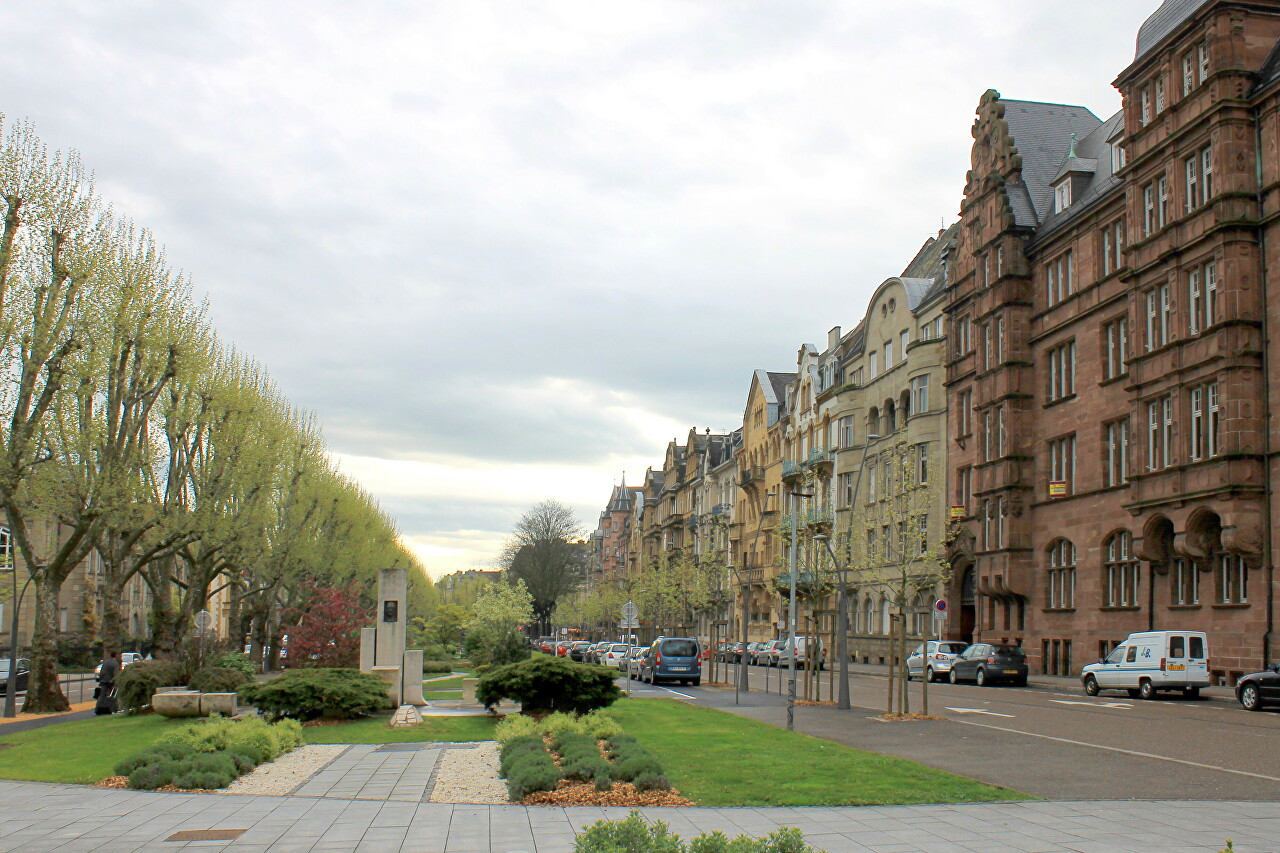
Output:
x,y
1080,370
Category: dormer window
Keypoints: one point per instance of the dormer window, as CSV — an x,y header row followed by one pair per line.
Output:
x,y
1117,158
1062,196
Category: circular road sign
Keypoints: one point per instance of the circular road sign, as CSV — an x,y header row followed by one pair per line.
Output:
x,y
940,606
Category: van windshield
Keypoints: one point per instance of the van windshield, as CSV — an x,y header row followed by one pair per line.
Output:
x,y
680,648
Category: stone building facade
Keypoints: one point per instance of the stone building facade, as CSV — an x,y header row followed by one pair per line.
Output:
x,y
1108,378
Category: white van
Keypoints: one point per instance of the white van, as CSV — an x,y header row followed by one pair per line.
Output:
x,y
1152,661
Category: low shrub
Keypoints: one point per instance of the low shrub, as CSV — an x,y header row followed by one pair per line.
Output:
x,y
513,749
513,726
636,835
568,743
138,682
600,725
239,662
251,736
157,774
559,723
436,667
586,768
204,780
545,683
244,763
631,768
651,782
172,750
532,771
306,694
217,679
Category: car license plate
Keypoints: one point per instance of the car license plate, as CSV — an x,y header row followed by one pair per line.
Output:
x,y
1010,672
680,669
1177,667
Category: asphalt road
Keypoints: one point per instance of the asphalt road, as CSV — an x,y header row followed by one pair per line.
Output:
x,y
1048,741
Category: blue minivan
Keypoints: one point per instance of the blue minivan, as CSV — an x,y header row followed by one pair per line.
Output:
x,y
672,659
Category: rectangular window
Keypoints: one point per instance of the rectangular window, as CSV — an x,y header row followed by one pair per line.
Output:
x,y
1192,169
1123,581
986,270
846,489
846,431
987,352
871,481
1160,433
1062,461
1202,297
1162,201
999,340
964,487
1117,347
1061,277
1062,371
988,520
1184,583
1062,196
1001,432
922,463
964,338
1112,247
888,355
922,534
1117,448
920,394
999,261
1204,420
988,436
1159,95
1231,579
1159,310
873,364
886,542
1206,174
1202,55
1148,210
998,508
1146,106
1188,73
964,417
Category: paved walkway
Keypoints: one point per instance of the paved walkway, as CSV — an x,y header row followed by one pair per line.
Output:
x,y
40,817
399,772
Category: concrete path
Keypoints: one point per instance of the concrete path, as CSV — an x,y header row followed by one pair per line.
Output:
x,y
399,772
40,817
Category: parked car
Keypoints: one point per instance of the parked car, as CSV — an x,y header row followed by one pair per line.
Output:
x,y
1150,661
631,663
672,659
547,645
20,675
562,648
754,653
1259,688
733,652
939,656
613,654
578,650
592,652
989,663
771,652
803,649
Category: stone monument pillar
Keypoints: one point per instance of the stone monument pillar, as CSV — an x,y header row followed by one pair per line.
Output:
x,y
368,639
393,592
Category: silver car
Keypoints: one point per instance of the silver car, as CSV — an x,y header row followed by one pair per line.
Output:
x,y
631,663
939,654
612,654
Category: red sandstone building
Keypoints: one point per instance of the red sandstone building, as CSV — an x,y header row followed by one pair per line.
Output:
x,y
1113,354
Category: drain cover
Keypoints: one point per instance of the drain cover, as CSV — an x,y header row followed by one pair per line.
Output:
x,y
207,835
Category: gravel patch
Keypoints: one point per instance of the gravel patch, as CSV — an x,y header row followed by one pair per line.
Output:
x,y
469,776
280,777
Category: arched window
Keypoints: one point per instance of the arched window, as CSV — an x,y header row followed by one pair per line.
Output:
x,y
890,422
1122,575
873,422
1062,575
921,607
885,613
868,624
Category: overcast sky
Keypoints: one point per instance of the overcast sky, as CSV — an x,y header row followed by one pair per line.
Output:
x,y
508,250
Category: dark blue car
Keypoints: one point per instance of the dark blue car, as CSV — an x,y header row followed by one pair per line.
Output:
x,y
672,659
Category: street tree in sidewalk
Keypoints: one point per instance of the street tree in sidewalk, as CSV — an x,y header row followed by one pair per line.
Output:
x,y
896,543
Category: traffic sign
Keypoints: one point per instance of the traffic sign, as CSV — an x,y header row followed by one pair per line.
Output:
x,y
630,612
204,621
940,605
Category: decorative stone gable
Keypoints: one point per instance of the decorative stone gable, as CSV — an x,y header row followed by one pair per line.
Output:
x,y
995,156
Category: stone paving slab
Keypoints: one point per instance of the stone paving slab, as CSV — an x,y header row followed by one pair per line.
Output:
x,y
41,817
367,772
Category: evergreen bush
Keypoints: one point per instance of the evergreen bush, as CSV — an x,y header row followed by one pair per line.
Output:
x,y
239,662
156,774
436,667
545,683
138,682
636,835
513,726
217,679
306,694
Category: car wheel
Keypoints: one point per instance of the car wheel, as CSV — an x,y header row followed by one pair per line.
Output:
x,y
981,678
929,675
1091,686
1191,693
1249,698
955,679
1146,690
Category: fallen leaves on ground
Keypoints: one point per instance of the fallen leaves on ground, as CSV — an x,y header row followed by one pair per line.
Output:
x,y
810,703
620,794
906,718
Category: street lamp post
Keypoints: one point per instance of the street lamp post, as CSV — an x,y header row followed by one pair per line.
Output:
x,y
11,688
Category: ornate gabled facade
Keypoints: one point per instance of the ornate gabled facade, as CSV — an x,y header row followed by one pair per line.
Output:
x,y
1109,378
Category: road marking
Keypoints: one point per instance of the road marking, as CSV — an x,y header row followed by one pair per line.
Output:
x,y
1133,752
978,711
677,692
1092,704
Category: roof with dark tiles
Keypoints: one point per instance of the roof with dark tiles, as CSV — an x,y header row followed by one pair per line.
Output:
x,y
1163,21
1042,133
1095,149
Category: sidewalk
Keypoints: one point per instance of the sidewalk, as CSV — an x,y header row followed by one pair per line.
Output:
x,y
40,817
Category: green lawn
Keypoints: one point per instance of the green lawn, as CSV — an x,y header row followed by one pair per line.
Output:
x,y
82,751
376,730
720,759
446,683
441,694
